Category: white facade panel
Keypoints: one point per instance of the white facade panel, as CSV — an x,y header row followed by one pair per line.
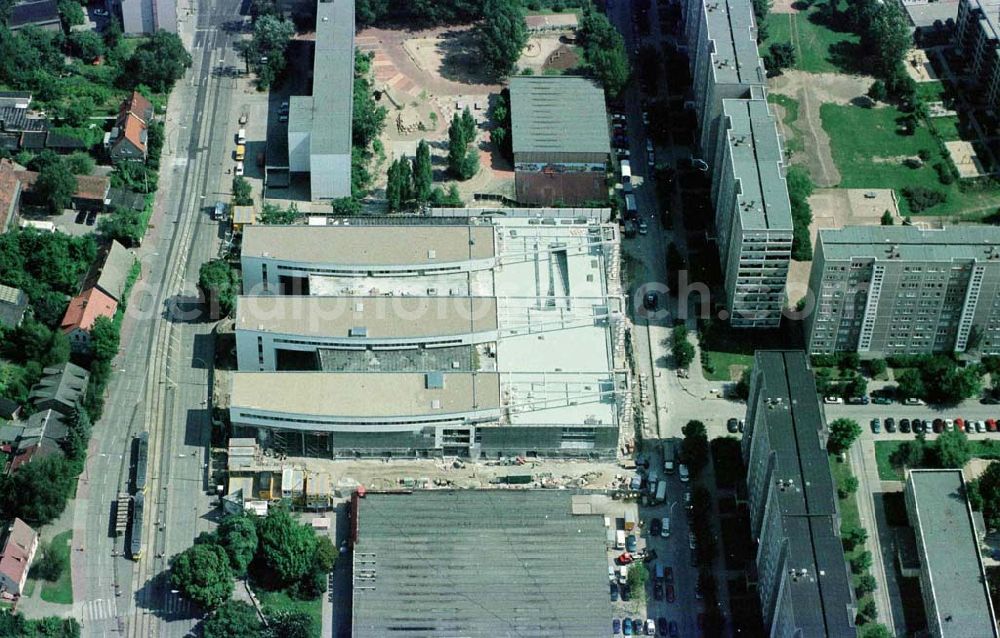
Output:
x,y
298,152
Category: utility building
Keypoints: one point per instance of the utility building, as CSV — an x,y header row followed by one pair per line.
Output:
x,y
802,576
899,290
560,140
501,337
753,217
319,126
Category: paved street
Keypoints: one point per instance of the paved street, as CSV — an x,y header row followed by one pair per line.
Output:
x,y
160,383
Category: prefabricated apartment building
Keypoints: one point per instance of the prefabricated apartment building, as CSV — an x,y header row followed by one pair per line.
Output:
x,y
472,337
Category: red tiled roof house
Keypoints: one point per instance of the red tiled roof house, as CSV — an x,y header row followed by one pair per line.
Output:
x,y
83,311
128,139
18,551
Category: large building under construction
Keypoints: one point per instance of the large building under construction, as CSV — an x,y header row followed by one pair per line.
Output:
x,y
470,337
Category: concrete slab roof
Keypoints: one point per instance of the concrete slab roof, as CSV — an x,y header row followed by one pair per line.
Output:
x,y
364,395
370,245
951,551
558,114
731,26
756,161
378,317
479,564
910,243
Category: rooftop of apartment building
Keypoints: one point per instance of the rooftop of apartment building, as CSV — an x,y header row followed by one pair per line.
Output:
x,y
326,115
820,588
910,243
441,563
756,156
558,114
951,550
732,28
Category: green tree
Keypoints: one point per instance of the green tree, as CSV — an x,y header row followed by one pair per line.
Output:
x,y
104,339
501,36
451,199
268,48
394,187
86,45
854,537
604,51
368,118
694,446
780,56
865,585
291,624
868,612
71,12
78,428
275,215
38,491
862,562
988,487
637,577
242,192
238,536
909,384
876,367
887,219
843,433
49,563
459,163
123,225
158,62
681,347
847,487
345,206
234,618
910,453
952,449
423,173
202,574
887,36
876,631
286,549
877,91
56,185
468,125
219,284
800,187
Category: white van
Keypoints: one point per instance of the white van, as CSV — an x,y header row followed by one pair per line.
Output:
x,y
620,539
626,172
241,136
665,531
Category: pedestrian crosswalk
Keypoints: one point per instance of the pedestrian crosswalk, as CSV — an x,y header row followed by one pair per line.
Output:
x,y
171,605
100,609
177,606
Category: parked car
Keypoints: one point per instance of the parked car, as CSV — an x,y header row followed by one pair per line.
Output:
x,y
858,400
692,541
980,427
650,627
671,596
655,527
959,424
904,426
651,301
630,544
614,592
733,426
876,425
668,574
616,626
673,632
636,482
661,624
657,590
627,626
102,13
879,399
890,424
991,425
682,471
938,426
913,401
833,401
989,399
643,227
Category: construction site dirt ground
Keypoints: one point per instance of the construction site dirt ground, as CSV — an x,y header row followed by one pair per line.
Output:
x,y
382,474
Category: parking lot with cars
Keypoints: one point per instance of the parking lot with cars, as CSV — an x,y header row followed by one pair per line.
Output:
x,y
658,536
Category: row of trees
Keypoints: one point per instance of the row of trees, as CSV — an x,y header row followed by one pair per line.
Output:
x,y
501,35
800,187
681,346
267,50
276,551
237,618
463,154
604,51
14,625
949,450
411,183
938,379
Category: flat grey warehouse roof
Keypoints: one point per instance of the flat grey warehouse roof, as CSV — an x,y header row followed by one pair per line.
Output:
x,y
910,243
380,317
370,245
551,114
952,553
479,564
756,162
364,394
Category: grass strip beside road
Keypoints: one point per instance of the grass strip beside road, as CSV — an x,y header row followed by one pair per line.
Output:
x,y
60,591
980,449
849,518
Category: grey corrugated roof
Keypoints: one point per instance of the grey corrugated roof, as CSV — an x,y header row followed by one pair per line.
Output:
x,y
328,114
41,12
114,272
911,243
558,114
479,564
823,601
756,161
951,551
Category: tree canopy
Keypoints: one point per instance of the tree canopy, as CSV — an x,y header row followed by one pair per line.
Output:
x,y
233,619
56,185
604,51
202,574
220,284
953,449
843,434
238,535
123,225
286,549
501,35
681,347
463,156
268,47
38,491
158,62
988,488
423,172
694,446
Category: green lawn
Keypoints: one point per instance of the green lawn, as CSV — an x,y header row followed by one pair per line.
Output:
x,y
849,516
274,601
60,591
947,127
873,160
931,91
793,143
722,360
815,44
